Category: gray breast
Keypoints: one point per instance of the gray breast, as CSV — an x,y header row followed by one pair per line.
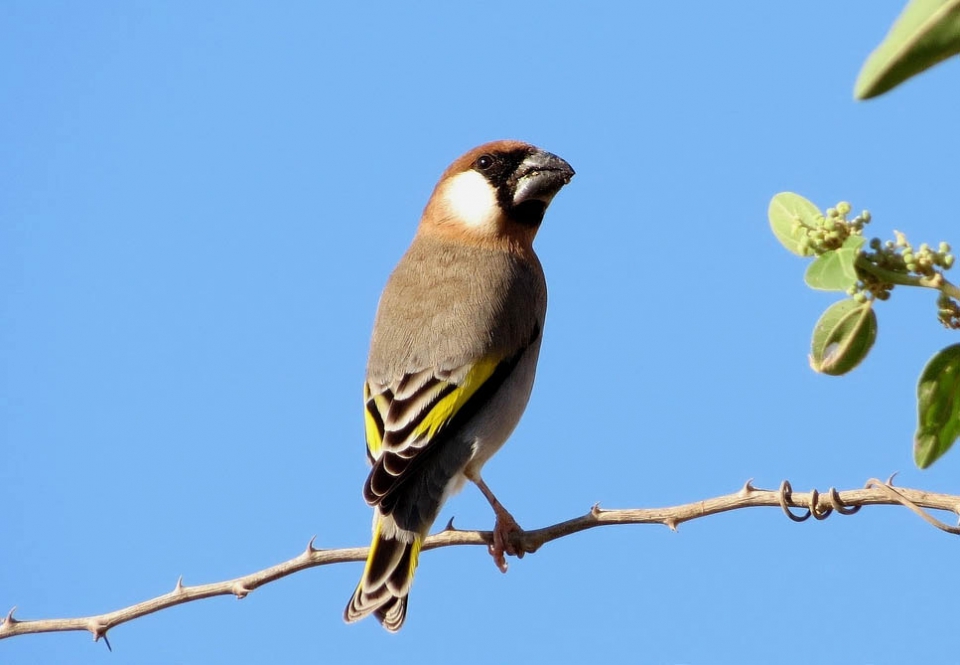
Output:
x,y
448,304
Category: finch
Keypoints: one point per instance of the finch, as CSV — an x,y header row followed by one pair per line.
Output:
x,y
452,358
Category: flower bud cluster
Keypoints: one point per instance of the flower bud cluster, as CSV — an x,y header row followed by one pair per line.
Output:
x,y
831,230
901,256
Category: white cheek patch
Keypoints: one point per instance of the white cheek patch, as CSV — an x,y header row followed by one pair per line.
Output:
x,y
472,200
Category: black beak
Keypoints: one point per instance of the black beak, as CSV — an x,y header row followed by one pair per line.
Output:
x,y
539,177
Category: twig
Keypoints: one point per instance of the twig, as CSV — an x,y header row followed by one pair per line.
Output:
x,y
815,503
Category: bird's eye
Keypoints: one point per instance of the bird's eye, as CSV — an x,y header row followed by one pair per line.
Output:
x,y
484,162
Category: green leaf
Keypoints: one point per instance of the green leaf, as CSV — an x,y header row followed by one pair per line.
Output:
x,y
835,270
938,407
925,33
842,337
786,212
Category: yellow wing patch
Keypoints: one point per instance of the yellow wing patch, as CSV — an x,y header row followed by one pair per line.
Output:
x,y
446,408
439,401
373,424
371,429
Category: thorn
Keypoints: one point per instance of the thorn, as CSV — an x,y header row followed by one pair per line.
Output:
x,y
671,523
892,476
178,587
310,548
240,591
450,526
748,488
595,509
9,620
99,631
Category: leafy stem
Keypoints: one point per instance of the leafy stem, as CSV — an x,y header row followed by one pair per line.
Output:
x,y
936,281
843,260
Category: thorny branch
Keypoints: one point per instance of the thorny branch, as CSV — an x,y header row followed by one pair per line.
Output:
x,y
815,504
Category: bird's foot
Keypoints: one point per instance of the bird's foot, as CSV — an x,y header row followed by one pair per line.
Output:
x,y
506,540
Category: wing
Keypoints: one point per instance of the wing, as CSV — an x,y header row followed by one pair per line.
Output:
x,y
410,419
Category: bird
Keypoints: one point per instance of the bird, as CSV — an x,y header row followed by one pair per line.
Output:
x,y
452,359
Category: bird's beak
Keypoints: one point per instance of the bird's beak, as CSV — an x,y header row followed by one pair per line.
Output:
x,y
539,177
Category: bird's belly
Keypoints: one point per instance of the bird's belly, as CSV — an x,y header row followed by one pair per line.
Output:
x,y
491,427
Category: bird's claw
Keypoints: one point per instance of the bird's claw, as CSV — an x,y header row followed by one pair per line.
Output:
x,y
506,536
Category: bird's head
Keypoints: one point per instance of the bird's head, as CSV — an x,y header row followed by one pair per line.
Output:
x,y
495,193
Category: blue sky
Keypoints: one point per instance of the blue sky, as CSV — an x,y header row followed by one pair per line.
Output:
x,y
202,201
